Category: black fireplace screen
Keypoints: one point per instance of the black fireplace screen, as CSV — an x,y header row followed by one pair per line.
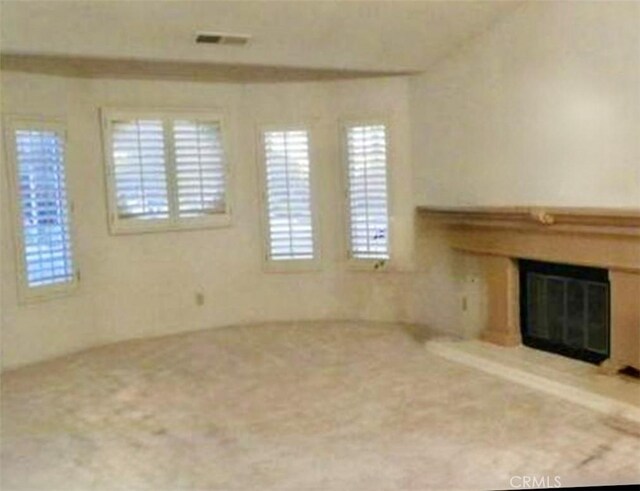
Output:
x,y
565,309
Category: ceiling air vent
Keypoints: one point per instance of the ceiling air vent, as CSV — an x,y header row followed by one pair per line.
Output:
x,y
222,38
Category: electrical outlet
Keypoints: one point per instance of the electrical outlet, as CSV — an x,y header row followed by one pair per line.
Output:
x,y
199,299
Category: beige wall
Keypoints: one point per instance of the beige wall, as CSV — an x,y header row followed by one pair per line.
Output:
x,y
542,109
143,285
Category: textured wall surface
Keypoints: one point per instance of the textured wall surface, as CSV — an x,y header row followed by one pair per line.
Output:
x,y
544,108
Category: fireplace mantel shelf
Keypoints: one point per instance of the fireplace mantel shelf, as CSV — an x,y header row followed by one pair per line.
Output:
x,y
606,238
608,221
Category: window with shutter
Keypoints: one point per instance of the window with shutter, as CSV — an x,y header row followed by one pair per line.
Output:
x,y
366,153
165,171
47,262
287,175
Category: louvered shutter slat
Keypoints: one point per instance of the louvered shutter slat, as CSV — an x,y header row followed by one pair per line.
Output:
x,y
367,189
42,191
288,195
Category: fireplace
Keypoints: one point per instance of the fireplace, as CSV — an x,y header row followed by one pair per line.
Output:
x,y
493,243
565,309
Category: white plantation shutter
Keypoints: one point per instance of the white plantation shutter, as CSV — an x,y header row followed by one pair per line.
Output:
x,y
139,169
200,168
44,207
367,191
288,195
166,171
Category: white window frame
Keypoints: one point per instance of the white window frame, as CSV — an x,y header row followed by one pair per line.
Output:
x,y
287,265
355,263
26,293
119,226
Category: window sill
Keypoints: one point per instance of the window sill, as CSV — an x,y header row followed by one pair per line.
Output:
x,y
370,265
132,227
41,294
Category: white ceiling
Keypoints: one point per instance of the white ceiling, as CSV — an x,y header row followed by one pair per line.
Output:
x,y
392,35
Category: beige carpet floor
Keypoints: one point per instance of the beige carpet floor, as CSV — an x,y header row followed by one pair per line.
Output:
x,y
319,406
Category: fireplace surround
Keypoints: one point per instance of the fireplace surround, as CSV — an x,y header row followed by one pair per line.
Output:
x,y
608,239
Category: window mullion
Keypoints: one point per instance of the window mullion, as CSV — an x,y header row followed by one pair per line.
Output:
x,y
170,169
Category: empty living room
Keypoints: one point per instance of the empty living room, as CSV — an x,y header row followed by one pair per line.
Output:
x,y
319,245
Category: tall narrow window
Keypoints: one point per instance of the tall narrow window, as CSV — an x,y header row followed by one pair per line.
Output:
x,y
366,149
43,207
288,195
166,171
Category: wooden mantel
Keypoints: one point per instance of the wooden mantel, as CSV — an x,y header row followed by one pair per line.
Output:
x,y
606,238
614,221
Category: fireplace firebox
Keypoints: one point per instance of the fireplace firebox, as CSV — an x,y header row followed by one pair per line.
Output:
x,y
565,309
